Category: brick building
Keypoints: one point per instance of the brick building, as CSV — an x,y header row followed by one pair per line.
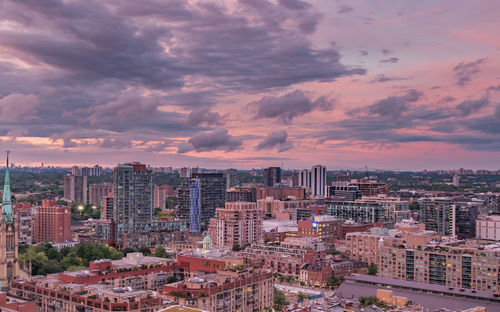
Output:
x,y
238,223
52,222
98,191
325,228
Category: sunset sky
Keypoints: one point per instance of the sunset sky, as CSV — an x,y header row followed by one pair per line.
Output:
x,y
406,85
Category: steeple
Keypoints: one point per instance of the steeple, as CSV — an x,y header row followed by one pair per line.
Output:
x,y
6,203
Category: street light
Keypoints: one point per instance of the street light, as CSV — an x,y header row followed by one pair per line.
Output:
x,y
80,208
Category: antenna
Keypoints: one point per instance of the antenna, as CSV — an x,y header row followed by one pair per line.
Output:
x,y
8,152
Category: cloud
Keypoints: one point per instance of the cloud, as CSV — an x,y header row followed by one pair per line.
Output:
x,y
204,115
123,68
345,9
464,71
393,107
289,106
294,4
363,52
471,106
218,139
384,78
497,111
386,51
393,60
15,107
276,139
116,143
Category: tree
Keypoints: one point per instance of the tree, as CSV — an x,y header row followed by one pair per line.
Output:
x,y
145,251
161,252
414,206
279,300
372,269
236,247
302,296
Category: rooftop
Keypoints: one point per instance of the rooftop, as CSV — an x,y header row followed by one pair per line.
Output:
x,y
430,296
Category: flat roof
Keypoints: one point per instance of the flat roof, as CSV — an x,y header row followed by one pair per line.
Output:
x,y
430,296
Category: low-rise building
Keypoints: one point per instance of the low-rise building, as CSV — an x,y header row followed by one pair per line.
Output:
x,y
488,227
326,228
244,290
288,257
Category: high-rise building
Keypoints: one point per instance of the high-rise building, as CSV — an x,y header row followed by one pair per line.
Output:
x,y
241,194
231,178
238,223
199,196
52,222
305,178
318,181
448,216
98,191
25,216
456,180
107,207
9,266
75,188
161,194
133,198
272,176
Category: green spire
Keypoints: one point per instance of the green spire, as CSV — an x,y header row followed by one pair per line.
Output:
x,y
6,203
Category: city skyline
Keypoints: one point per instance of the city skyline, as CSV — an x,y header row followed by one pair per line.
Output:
x,y
251,84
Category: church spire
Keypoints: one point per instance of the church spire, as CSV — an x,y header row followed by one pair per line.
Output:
x,y
6,203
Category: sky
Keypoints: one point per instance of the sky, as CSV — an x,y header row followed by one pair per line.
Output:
x,y
400,85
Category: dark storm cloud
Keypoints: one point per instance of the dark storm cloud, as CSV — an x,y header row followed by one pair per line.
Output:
x,y
464,71
384,78
485,124
276,139
203,115
218,139
289,106
390,60
106,68
345,9
471,106
393,107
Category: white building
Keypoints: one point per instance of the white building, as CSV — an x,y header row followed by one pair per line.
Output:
x,y
488,227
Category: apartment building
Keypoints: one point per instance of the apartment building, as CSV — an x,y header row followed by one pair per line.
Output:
x,y
238,223
244,290
288,257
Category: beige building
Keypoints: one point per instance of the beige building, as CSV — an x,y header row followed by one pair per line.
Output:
x,y
238,223
245,290
488,227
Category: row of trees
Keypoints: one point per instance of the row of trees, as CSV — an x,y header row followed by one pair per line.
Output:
x,y
45,259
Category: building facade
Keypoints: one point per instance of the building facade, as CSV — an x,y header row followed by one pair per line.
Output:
x,y
488,227
318,181
272,176
75,188
359,211
98,191
26,218
199,197
133,198
325,228
238,223
52,222
288,257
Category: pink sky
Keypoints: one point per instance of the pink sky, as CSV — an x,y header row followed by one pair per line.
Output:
x,y
405,85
